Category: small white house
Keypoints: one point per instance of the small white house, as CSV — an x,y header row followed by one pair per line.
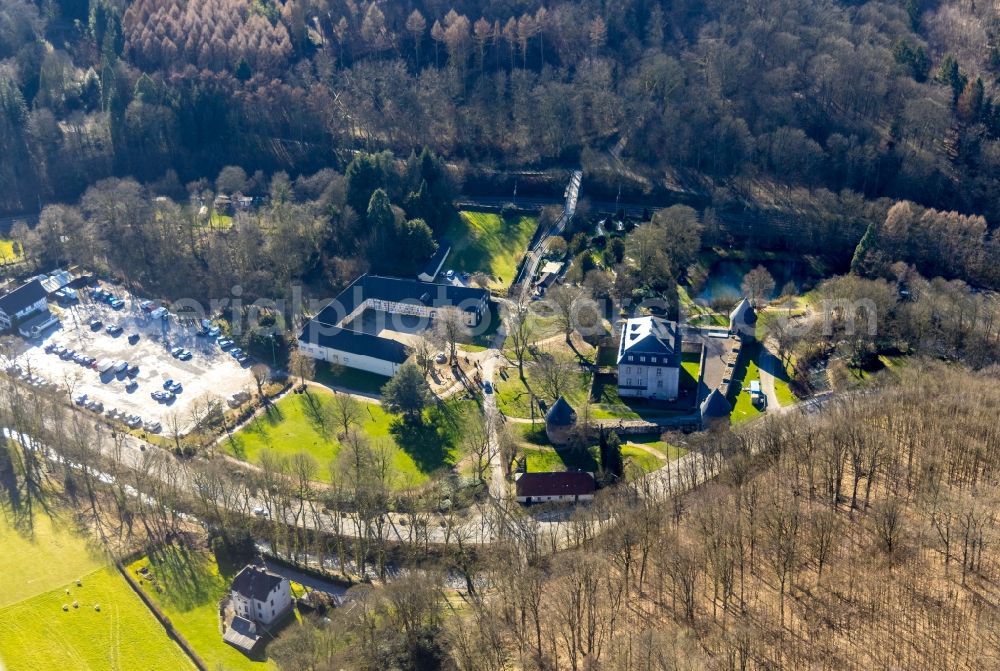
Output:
x,y
21,303
259,596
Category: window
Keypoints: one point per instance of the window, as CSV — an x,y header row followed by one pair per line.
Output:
x,y
642,358
659,372
659,383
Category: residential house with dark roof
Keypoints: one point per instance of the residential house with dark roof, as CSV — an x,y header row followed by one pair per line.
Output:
x,y
433,267
649,358
331,336
563,487
21,303
260,596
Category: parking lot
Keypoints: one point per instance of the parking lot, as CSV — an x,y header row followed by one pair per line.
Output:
x,y
209,373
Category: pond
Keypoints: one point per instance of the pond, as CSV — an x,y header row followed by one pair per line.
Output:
x,y
726,276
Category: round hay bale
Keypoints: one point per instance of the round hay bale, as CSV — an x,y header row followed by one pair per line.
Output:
x,y
76,604
65,607
97,607
79,583
67,590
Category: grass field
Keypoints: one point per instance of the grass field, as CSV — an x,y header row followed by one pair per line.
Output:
x,y
192,585
37,635
483,241
743,407
7,254
298,422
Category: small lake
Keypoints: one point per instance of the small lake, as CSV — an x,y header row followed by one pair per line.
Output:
x,y
726,276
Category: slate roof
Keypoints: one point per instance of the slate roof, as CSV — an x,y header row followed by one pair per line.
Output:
x,y
715,406
399,290
433,266
567,483
561,413
22,297
353,342
254,582
654,337
241,633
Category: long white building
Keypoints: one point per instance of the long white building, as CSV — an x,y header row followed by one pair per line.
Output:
x,y
330,337
649,359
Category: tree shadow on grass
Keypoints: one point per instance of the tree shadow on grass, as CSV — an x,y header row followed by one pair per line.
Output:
x,y
185,577
428,443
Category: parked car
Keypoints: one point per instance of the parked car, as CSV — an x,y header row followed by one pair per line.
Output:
x,y
225,343
132,371
168,383
243,358
175,388
120,367
152,427
185,355
114,330
214,332
260,512
131,385
67,354
235,352
80,399
133,421
176,351
133,338
488,387
117,303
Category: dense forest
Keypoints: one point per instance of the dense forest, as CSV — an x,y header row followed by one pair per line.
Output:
x,y
891,99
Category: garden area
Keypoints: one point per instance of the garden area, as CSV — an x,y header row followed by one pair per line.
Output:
x,y
514,397
487,242
646,451
306,423
64,606
186,585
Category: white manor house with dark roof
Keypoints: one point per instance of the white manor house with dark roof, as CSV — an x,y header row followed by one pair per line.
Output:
x,y
649,359
334,335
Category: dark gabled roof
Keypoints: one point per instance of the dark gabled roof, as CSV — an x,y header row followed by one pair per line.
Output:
x,y
22,297
556,484
433,266
254,582
561,413
399,290
353,342
241,633
715,405
649,335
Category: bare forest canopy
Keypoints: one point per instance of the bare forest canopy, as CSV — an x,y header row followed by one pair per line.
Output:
x,y
885,99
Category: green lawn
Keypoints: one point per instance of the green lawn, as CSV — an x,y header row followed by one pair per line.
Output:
x,y
746,370
7,254
483,241
37,635
44,558
783,392
191,585
653,441
298,423
352,379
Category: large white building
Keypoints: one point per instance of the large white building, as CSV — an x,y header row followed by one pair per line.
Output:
x,y
330,336
21,303
260,596
649,359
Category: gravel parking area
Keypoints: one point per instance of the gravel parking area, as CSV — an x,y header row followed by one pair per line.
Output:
x,y
210,372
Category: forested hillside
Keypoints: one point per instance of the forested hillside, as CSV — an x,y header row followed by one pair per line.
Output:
x,y
882,98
